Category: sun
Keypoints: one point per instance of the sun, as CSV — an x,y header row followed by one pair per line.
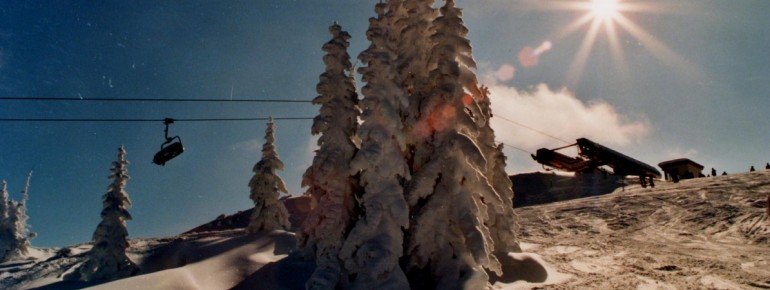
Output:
x,y
611,17
605,9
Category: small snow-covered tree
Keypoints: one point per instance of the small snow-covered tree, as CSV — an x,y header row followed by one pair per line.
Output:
x,y
269,212
454,202
14,231
372,250
107,259
4,199
6,228
329,181
21,228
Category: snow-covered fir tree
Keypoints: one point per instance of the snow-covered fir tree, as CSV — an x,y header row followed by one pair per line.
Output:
x,y
502,221
413,67
6,228
24,235
4,200
329,180
451,196
107,259
266,186
15,235
372,250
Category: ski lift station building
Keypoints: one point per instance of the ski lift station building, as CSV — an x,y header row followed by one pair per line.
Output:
x,y
682,168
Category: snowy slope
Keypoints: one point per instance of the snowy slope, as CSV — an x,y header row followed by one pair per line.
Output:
x,y
213,260
703,233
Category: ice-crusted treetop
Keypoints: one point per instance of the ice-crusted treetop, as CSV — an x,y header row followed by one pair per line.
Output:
x,y
22,225
25,192
116,195
415,45
328,180
336,93
270,159
387,96
115,204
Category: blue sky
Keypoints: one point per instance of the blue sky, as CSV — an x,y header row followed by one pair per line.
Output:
x,y
714,110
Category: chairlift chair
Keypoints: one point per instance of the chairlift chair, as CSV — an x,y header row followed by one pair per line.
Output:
x,y
169,149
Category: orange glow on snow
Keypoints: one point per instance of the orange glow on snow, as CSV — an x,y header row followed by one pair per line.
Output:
x,y
467,99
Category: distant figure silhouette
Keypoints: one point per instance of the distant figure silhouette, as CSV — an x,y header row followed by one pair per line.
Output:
x,y
767,167
713,171
724,173
752,169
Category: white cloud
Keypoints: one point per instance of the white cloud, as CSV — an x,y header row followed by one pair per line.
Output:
x,y
561,114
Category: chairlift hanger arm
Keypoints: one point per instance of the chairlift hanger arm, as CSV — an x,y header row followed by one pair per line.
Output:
x,y
167,121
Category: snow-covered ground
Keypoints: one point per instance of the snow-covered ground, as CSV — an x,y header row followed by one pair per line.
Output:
x,y
703,233
708,233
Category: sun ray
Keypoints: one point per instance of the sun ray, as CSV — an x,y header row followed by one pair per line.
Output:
x,y
570,5
658,48
634,7
574,26
581,58
616,50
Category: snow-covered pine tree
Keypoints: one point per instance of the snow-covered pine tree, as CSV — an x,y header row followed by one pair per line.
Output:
x,y
22,231
413,67
372,250
107,259
266,186
502,221
4,201
13,236
329,181
6,234
450,239
14,231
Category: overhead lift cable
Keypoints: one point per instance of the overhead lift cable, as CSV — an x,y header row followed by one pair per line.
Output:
x,y
517,148
188,100
149,120
533,129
